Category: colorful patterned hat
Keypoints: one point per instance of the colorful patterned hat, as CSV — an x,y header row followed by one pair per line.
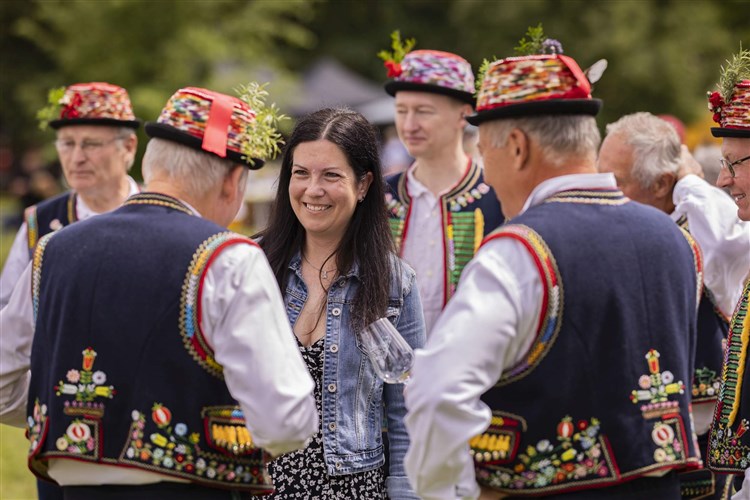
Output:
x,y
534,85
242,130
427,71
95,103
731,103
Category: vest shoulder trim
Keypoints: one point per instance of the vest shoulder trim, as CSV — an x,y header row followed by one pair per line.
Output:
x,y
550,319
36,270
190,301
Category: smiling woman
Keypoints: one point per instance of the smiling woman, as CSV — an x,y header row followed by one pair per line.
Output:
x,y
330,247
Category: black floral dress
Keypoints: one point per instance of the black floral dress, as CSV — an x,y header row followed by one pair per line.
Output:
x,y
302,474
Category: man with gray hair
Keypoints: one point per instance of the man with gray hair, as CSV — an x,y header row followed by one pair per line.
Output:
x,y
96,145
645,156
162,364
549,373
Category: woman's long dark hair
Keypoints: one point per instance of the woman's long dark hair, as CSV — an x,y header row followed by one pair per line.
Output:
x,y
367,239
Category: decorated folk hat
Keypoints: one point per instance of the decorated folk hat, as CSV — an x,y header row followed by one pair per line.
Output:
x,y
239,129
731,103
427,71
95,103
534,84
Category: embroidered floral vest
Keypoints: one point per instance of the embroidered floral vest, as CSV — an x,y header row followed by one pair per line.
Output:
x,y
469,212
729,441
713,327
121,372
49,215
603,393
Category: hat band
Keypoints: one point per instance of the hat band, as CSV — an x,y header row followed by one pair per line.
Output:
x,y
215,135
574,93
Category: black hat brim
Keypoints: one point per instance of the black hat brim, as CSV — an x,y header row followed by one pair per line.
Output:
x,y
537,108
741,133
109,122
394,86
163,131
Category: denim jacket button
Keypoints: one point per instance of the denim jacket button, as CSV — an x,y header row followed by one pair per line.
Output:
x,y
334,348
341,282
331,387
336,311
332,426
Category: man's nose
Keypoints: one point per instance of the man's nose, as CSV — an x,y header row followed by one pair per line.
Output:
x,y
724,179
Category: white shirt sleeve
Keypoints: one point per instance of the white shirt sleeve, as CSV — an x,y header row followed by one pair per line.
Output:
x,y
487,327
16,337
18,259
723,238
245,322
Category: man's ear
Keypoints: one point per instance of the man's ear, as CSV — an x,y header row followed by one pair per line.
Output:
x,y
518,144
234,182
663,185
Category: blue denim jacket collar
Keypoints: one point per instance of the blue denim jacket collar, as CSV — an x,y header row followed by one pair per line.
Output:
x,y
295,265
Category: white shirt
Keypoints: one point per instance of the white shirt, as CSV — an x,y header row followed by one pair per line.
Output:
x,y
18,257
725,243
264,372
488,325
424,247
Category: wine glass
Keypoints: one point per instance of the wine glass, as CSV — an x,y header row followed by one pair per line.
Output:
x,y
391,356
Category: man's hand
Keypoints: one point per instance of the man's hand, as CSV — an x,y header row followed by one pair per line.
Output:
x,y
688,164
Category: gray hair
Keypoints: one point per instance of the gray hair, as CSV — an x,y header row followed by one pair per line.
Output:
x,y
196,172
558,136
125,133
656,145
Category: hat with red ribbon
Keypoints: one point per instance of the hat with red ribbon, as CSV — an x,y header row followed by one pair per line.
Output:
x,y
545,82
242,129
427,71
730,104
95,103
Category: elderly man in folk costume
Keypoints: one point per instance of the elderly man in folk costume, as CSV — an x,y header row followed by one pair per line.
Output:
x,y
440,207
550,372
650,166
155,360
96,145
729,442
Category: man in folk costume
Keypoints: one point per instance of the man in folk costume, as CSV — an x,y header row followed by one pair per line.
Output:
x,y
96,144
551,372
162,364
729,441
440,208
645,155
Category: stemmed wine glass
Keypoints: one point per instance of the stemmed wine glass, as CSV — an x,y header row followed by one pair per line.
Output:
x,y
391,356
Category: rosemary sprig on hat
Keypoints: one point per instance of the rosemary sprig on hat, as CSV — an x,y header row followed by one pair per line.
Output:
x,y
392,59
737,69
486,63
537,43
263,139
52,110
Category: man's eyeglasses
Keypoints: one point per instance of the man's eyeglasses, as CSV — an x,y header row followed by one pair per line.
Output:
x,y
729,165
87,145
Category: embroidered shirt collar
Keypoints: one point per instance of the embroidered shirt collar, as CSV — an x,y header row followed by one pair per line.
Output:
x,y
567,182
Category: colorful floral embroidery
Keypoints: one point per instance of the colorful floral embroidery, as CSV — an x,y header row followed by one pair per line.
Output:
x,y
550,320
192,335
79,439
161,445
656,387
499,443
706,384
669,439
727,450
86,385
579,453
36,426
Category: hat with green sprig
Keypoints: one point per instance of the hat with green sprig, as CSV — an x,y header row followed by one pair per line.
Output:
x,y
730,104
539,81
94,103
432,71
244,129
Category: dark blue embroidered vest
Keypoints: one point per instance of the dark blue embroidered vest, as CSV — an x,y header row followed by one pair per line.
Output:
x,y
470,211
713,327
729,441
48,216
603,394
121,373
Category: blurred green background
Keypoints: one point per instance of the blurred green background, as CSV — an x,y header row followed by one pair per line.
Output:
x,y
663,56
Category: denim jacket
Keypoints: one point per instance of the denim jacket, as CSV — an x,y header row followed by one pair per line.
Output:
x,y
353,395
